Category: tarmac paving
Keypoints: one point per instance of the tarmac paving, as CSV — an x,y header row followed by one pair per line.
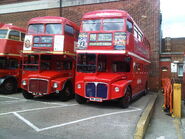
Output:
x,y
163,126
49,118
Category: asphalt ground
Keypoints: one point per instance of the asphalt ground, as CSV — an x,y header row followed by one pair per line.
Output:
x,y
163,126
48,117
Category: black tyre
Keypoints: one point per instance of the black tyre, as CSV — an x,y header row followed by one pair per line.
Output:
x,y
146,89
67,93
80,99
125,101
9,86
27,95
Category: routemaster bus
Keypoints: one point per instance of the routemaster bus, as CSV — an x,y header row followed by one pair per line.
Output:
x,y
49,57
11,44
112,58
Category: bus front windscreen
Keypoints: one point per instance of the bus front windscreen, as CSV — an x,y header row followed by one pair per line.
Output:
x,y
3,33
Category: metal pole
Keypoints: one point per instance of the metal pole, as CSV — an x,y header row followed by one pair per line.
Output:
x,y
61,8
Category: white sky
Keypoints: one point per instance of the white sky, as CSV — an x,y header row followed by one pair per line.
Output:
x,y
173,14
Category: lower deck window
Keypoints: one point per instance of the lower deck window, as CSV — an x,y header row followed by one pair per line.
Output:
x,y
86,63
47,62
8,63
91,63
120,66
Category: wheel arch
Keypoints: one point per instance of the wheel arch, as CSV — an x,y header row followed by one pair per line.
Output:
x,y
3,79
69,80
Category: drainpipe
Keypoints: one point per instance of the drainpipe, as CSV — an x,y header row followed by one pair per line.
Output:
x,y
61,8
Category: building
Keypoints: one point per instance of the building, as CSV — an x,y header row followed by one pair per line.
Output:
x,y
171,58
146,13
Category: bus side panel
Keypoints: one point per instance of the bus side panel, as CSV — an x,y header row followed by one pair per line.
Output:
x,y
14,47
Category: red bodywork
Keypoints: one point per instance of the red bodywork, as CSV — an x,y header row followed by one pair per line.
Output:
x,y
49,57
122,62
10,52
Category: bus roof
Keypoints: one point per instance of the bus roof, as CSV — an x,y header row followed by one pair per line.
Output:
x,y
10,26
109,14
51,19
106,14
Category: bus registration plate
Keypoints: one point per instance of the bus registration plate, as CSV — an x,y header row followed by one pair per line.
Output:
x,y
96,99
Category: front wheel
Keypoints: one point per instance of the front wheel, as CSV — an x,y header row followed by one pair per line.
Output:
x,y
27,95
125,101
67,93
9,86
80,99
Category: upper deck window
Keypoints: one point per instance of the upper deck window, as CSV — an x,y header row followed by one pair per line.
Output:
x,y
129,26
14,35
91,25
54,29
22,36
68,29
3,33
36,29
113,24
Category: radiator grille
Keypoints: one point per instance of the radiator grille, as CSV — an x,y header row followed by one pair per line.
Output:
x,y
38,86
96,90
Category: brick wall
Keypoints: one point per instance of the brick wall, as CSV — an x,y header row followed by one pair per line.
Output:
x,y
173,45
146,13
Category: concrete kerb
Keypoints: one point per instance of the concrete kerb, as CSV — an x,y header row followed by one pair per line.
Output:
x,y
143,122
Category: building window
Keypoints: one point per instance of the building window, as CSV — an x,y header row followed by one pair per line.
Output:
x,y
180,70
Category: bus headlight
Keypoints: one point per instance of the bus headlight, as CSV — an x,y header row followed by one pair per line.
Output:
x,y
55,85
79,86
24,82
116,89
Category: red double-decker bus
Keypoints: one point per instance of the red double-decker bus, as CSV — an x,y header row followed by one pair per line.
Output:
x,y
49,57
112,58
11,44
